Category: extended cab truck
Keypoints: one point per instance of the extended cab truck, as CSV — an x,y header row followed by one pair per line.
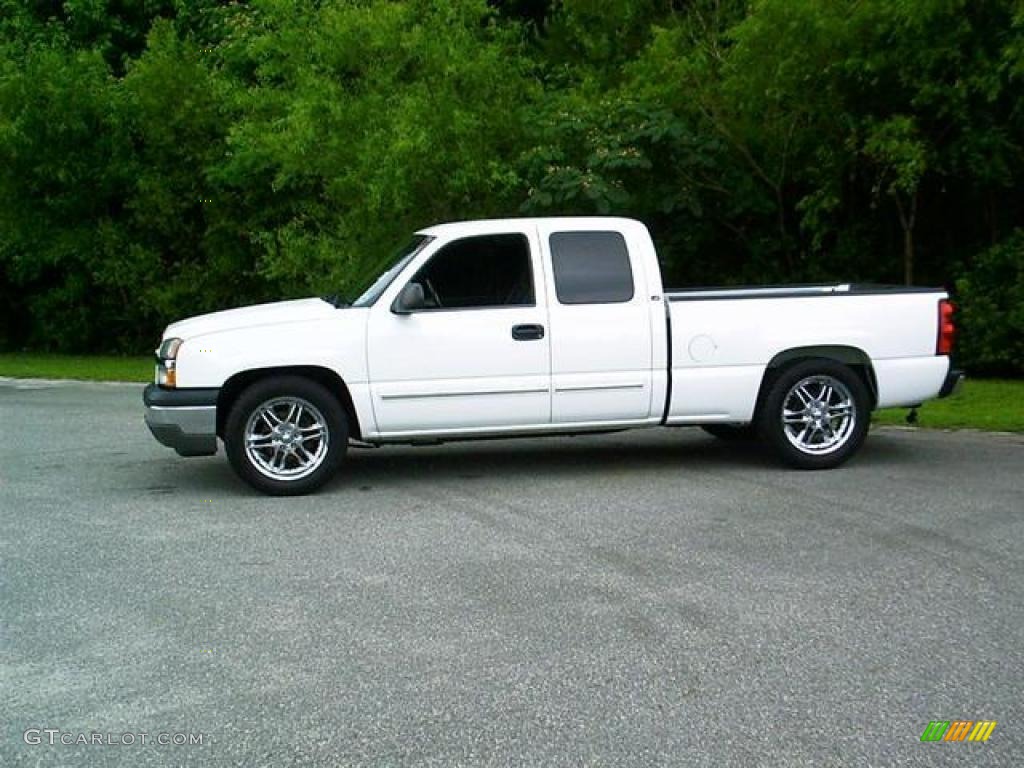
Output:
x,y
542,326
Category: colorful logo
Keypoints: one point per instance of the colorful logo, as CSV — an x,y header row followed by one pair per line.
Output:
x,y
958,730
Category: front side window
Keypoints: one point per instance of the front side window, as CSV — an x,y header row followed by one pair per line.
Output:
x,y
401,260
483,271
591,267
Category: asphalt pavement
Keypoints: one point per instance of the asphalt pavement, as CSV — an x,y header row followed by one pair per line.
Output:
x,y
651,598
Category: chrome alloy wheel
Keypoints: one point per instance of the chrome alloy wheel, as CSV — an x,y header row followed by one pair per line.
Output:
x,y
286,438
818,415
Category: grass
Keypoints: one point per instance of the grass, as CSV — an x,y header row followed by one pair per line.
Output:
x,y
88,368
992,404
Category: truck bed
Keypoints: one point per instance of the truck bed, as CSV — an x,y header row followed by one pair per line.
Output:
x,y
724,338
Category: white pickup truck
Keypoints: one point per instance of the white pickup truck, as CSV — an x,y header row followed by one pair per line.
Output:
x,y
525,327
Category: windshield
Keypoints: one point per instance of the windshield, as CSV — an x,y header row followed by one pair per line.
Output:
x,y
405,255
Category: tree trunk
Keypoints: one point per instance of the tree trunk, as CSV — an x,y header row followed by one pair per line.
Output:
x,y
907,220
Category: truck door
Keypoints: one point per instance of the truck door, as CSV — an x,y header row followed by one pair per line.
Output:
x,y
600,316
476,357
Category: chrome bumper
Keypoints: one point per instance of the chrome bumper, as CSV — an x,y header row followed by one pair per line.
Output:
x,y
185,420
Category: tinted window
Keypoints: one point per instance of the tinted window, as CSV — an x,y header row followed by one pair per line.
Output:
x,y
486,271
591,267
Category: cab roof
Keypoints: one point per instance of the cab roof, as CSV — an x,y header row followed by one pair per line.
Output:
x,y
491,226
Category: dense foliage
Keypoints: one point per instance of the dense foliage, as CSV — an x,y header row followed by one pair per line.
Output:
x,y
164,157
992,314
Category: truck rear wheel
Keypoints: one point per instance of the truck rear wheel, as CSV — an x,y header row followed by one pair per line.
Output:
x,y
816,414
286,435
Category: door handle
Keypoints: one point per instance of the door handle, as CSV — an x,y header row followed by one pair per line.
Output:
x,y
529,332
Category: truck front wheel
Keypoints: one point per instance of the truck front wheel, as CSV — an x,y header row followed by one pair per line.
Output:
x,y
816,414
286,435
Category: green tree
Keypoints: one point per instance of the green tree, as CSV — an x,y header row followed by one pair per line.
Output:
x,y
991,312
62,180
362,122
166,157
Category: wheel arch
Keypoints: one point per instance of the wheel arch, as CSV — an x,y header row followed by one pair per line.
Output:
x,y
326,377
855,358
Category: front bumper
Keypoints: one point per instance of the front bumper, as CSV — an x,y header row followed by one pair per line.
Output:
x,y
954,379
183,419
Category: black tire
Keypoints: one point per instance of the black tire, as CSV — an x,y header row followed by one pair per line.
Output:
x,y
812,420
733,433
325,454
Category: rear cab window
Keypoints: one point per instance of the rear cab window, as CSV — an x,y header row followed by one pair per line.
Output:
x,y
591,268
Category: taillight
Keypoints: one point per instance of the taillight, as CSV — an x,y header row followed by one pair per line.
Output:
x,y
947,329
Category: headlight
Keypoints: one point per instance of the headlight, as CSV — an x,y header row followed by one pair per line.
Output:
x,y
166,363
169,349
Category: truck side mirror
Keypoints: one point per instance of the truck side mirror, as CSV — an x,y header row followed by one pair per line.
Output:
x,y
409,300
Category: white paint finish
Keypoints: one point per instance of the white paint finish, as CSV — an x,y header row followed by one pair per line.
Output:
x,y
259,315
702,349
335,341
584,397
780,290
460,373
659,395
718,394
601,354
362,401
909,381
460,368
582,427
753,331
748,333
457,369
